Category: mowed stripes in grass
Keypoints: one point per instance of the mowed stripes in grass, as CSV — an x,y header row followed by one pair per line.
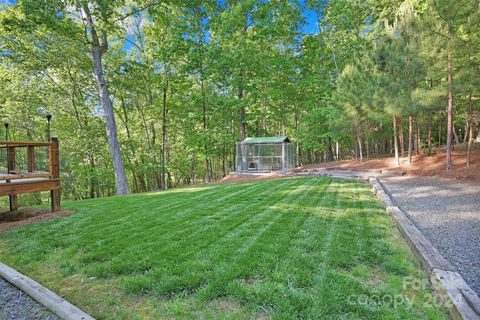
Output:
x,y
292,248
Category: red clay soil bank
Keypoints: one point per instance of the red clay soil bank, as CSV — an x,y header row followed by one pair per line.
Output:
x,y
422,165
27,216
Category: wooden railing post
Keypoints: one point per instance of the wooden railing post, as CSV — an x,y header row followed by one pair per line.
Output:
x,y
31,158
10,159
11,169
54,173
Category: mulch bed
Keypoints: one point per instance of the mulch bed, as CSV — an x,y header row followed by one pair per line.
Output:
x,y
23,216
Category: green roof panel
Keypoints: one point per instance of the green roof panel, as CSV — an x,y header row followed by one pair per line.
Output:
x,y
276,139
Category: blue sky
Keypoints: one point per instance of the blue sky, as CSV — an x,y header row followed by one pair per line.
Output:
x,y
311,21
7,2
311,18
309,27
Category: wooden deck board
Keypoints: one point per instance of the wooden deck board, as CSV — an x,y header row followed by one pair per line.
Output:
x,y
18,176
28,185
4,144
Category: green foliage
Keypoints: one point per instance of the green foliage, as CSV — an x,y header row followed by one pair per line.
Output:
x,y
224,65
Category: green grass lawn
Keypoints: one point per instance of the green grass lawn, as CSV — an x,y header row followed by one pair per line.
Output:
x,y
292,248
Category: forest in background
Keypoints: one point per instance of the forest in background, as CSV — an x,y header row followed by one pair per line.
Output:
x,y
149,95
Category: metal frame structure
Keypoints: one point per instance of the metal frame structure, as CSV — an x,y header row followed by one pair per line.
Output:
x,y
265,154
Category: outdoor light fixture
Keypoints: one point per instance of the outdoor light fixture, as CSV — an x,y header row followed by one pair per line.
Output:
x,y
49,120
6,131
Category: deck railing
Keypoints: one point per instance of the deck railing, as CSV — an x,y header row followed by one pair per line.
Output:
x,y
15,180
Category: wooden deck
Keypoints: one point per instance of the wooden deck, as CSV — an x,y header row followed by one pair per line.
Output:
x,y
28,186
23,176
14,182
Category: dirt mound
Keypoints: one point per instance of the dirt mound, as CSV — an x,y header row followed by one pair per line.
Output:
x,y
11,219
422,165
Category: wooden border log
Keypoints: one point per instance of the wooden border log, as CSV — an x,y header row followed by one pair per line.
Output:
x,y
462,302
58,305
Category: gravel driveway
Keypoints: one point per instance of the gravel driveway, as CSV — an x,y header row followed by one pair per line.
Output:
x,y
15,304
448,213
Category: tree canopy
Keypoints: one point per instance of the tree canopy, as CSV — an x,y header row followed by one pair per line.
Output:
x,y
154,94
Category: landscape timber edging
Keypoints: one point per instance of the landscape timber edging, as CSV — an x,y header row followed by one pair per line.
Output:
x,y
462,302
58,305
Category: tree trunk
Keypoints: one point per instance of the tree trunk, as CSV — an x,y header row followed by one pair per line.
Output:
x,y
402,144
298,150
355,146
92,181
193,178
138,179
97,50
233,128
329,149
470,129
207,177
417,135
429,134
439,130
211,169
167,146
367,147
455,136
224,161
264,117
242,128
449,115
395,142
410,139
164,136
359,142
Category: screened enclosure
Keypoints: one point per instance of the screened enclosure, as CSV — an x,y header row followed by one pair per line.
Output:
x,y
265,154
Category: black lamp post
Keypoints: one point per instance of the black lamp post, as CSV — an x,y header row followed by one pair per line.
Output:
x,y
49,120
7,134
